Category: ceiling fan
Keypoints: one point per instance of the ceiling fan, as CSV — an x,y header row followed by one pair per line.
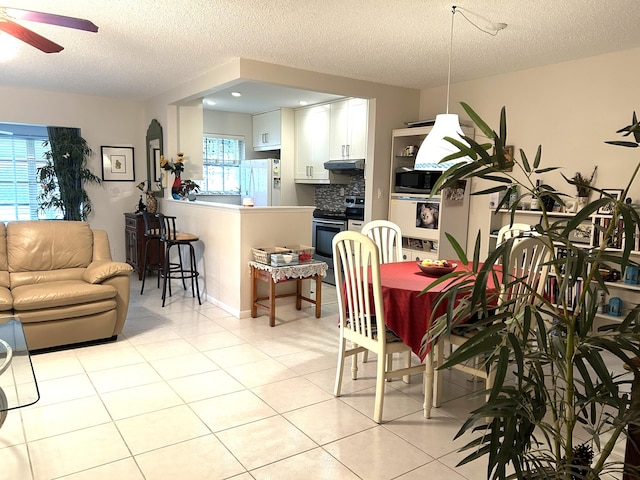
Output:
x,y
7,25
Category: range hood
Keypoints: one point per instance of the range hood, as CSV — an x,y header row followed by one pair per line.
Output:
x,y
346,166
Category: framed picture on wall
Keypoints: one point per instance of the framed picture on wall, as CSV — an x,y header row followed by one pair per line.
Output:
x,y
117,164
615,193
508,156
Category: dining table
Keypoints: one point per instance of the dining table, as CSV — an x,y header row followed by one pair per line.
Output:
x,y
408,309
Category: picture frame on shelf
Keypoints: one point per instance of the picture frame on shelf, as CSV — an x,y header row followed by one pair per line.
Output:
x,y
615,193
582,233
117,164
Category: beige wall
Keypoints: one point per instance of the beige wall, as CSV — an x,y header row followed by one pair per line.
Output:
x,y
569,108
104,122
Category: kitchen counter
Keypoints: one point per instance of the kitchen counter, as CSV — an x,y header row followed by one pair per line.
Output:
x,y
227,234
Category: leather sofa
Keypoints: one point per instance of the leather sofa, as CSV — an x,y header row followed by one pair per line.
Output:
x,y
58,278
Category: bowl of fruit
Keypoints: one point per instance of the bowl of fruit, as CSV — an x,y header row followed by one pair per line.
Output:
x,y
436,268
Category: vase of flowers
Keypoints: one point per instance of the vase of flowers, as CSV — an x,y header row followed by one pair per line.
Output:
x,y
176,167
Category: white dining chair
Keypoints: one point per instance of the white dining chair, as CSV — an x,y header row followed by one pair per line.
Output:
x,y
361,315
515,230
388,237
527,262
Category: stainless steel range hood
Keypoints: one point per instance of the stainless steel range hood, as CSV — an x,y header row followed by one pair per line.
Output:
x,y
346,166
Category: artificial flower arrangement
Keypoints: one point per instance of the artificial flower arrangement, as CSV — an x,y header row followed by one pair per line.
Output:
x,y
171,165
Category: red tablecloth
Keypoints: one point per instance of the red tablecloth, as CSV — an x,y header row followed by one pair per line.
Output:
x,y
407,312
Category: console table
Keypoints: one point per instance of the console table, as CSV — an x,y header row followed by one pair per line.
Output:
x,y
313,270
134,241
18,387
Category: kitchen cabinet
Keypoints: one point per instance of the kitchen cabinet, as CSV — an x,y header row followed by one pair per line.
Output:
x,y
348,134
267,131
312,144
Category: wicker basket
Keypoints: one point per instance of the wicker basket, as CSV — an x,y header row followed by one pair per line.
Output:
x,y
263,254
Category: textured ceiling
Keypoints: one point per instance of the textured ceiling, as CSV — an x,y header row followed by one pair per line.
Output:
x,y
145,47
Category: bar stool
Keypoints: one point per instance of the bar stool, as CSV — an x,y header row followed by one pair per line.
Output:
x,y
151,235
176,270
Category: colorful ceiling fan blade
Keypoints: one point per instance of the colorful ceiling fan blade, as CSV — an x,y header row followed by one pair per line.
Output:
x,y
27,36
50,18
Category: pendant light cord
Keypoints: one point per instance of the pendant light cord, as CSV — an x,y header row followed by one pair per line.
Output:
x,y
453,13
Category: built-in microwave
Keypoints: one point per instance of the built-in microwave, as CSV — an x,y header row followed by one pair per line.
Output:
x,y
415,181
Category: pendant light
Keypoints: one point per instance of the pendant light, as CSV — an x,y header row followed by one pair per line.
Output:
x,y
434,147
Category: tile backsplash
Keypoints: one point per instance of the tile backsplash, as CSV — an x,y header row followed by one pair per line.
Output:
x,y
331,197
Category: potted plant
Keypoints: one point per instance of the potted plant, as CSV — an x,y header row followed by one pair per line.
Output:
x,y
548,358
65,174
583,186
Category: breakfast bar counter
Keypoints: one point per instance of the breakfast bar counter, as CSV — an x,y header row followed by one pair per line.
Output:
x,y
227,234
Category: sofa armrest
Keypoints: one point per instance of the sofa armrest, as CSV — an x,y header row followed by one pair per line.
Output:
x,y
101,270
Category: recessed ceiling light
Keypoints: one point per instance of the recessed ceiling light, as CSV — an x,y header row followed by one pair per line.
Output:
x,y
236,94
304,102
210,102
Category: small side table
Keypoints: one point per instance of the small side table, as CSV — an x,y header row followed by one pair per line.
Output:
x,y
313,270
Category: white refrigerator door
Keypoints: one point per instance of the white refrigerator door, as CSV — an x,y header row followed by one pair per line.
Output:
x,y
256,181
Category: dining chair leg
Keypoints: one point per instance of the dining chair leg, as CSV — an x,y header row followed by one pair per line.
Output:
x,y
354,365
428,384
407,364
389,361
436,373
338,385
380,381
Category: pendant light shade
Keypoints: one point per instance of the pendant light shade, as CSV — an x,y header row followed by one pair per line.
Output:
x,y
434,147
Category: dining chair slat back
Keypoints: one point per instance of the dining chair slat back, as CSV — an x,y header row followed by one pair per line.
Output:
x,y
361,315
527,263
388,237
515,230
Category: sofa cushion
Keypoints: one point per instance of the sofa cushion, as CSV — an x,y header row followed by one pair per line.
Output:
x,y
18,279
56,294
48,245
4,278
6,299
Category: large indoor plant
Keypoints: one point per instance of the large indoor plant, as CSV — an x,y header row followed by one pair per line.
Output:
x,y
65,174
551,378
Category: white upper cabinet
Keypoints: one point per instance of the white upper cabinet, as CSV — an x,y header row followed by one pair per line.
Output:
x,y
312,144
267,131
348,137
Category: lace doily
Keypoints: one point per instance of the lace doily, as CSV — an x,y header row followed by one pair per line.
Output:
x,y
302,270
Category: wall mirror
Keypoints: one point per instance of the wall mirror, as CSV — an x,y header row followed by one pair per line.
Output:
x,y
154,151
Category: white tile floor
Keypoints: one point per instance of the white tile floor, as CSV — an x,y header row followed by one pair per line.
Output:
x,y
190,392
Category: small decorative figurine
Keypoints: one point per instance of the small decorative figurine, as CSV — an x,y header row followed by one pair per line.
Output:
x,y
615,307
631,275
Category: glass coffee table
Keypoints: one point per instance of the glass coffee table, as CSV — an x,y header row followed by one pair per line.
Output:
x,y
18,386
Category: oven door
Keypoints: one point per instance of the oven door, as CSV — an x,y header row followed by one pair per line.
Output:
x,y
322,239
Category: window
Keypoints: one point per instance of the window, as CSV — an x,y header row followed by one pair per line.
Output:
x,y
222,155
21,153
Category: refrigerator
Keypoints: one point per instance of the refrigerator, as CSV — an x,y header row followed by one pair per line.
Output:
x,y
260,180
